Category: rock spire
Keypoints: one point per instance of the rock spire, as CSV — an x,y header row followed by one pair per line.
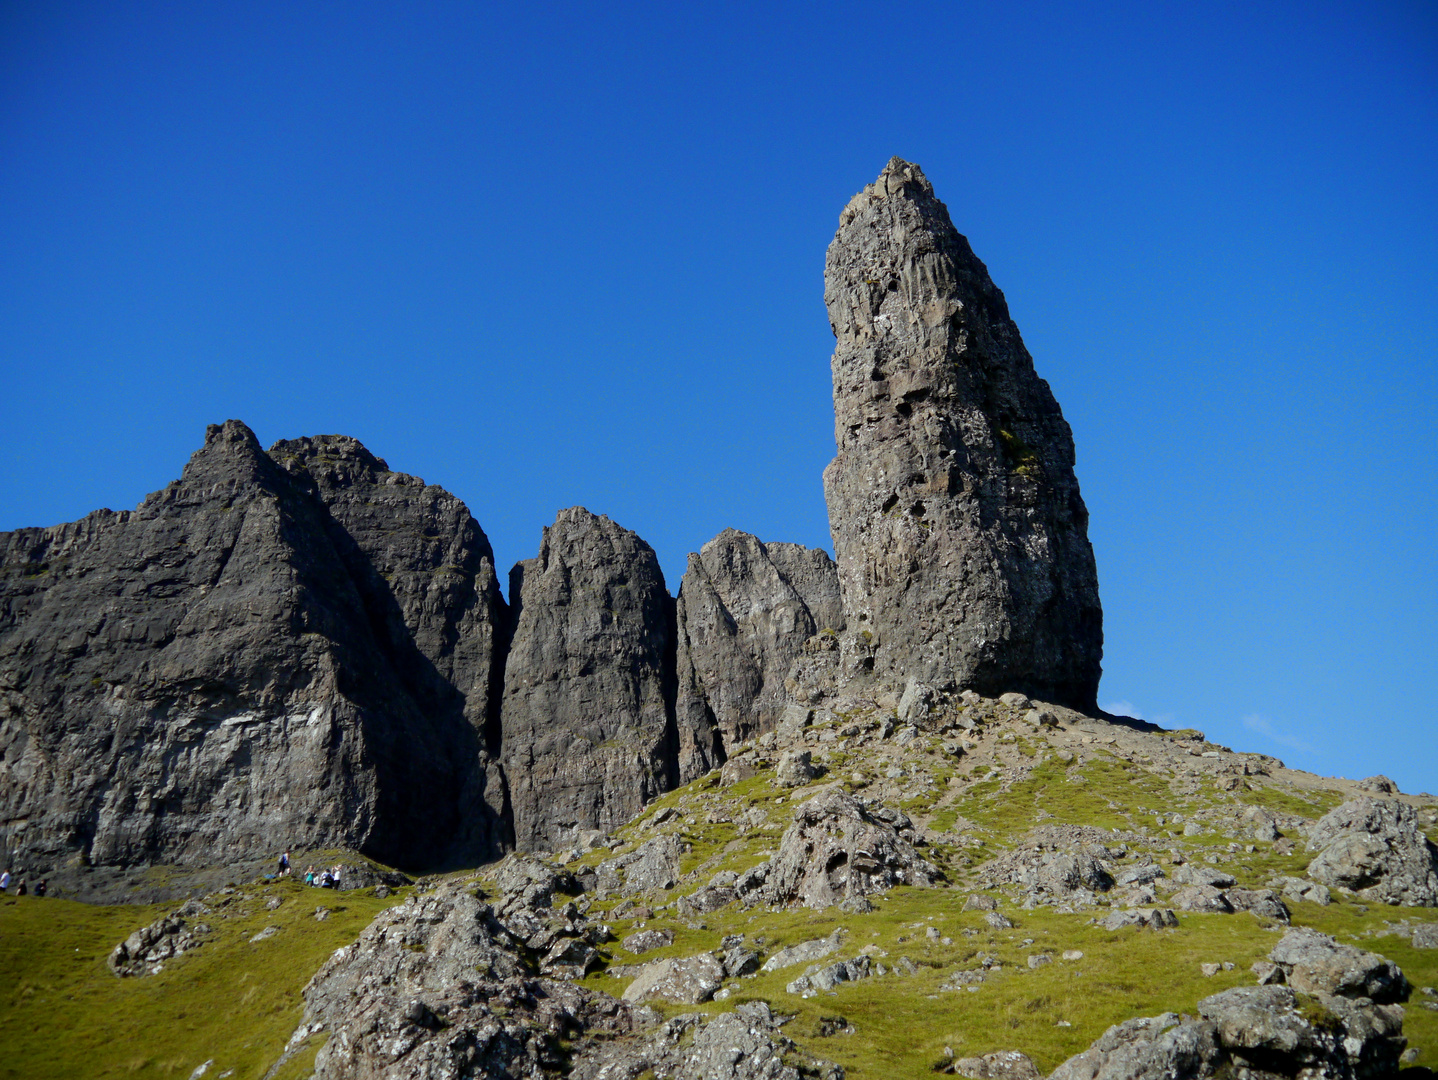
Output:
x,y
959,531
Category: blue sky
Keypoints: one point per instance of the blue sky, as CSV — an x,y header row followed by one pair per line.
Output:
x,y
573,254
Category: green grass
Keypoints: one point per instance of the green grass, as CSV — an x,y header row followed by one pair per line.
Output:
x,y
63,1015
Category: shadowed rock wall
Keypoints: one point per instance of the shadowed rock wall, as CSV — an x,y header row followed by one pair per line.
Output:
x,y
202,677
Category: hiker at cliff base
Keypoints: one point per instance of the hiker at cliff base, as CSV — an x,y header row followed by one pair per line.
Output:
x,y
20,891
40,888
284,863
309,875
4,881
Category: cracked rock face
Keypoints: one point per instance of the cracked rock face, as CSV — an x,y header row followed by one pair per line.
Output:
x,y
745,610
587,738
225,670
959,531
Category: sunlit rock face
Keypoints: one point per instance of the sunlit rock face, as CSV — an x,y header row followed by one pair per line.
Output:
x,y
959,532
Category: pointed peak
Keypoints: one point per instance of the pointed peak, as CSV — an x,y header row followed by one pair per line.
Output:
x,y
233,436
898,174
332,459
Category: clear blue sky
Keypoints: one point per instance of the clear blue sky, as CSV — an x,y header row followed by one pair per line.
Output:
x,y
556,254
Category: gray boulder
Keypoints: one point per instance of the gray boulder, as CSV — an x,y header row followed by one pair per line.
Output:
x,y
746,1044
795,768
745,610
1315,963
1376,849
145,951
1264,903
959,530
1000,1065
643,941
434,987
823,978
839,849
1201,899
585,720
688,981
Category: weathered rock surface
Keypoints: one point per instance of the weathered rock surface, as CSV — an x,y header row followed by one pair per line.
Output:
x,y
1260,1031
588,732
745,609
222,671
959,531
1376,849
839,849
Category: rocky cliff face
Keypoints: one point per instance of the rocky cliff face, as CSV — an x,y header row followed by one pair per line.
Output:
x,y
959,531
588,729
205,675
745,610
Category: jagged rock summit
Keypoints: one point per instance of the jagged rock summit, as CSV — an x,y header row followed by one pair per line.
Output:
x,y
958,528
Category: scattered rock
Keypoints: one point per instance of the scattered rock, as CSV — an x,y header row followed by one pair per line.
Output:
x,y
1425,936
796,768
1155,919
819,979
1202,899
265,934
1264,903
651,867
998,921
1004,1065
145,951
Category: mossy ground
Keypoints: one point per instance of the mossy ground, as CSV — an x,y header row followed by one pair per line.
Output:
x,y
63,1015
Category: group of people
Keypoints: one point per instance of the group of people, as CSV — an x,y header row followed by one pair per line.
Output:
x,y
324,879
20,887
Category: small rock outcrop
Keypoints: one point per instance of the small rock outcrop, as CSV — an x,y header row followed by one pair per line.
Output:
x,y
959,531
1376,849
588,736
745,610
145,951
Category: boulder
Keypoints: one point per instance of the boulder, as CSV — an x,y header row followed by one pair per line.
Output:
x,y
1315,963
1264,903
823,978
805,952
145,951
651,867
1001,1065
796,768
1376,849
746,1044
959,531
839,848
643,941
585,720
688,981
1201,899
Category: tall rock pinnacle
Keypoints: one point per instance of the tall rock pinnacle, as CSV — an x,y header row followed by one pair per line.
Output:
x,y
959,531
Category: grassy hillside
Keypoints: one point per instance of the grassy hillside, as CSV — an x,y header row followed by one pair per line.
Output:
x,y
236,1002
